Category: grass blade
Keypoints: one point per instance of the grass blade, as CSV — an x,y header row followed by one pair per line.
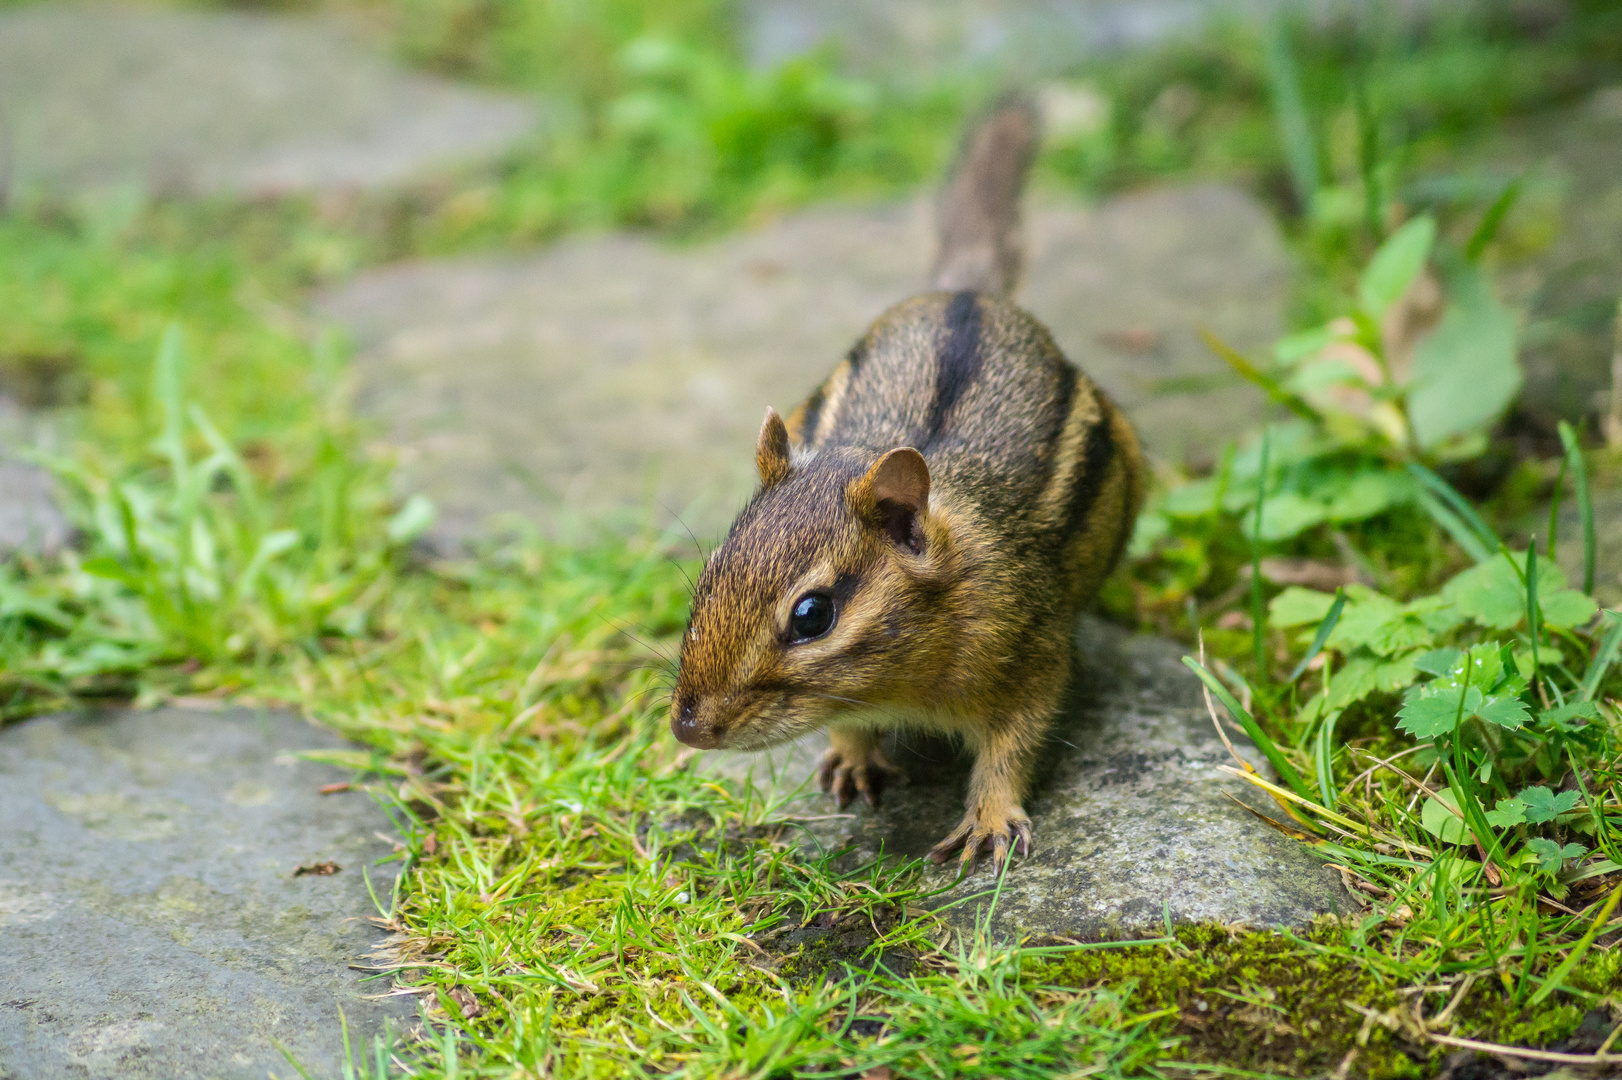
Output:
x,y
1269,385
1585,501
1294,129
1323,759
1532,605
1325,628
1492,219
1454,526
1269,749
1602,659
1551,546
1578,950
1258,614
1485,540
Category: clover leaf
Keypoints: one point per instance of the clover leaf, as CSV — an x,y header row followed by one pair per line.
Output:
x,y
1437,661
1296,606
1508,813
1494,595
1387,627
1505,710
1544,805
1551,855
1570,716
1433,710
1474,684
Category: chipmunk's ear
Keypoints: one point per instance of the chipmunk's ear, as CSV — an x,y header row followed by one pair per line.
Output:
x,y
895,491
771,453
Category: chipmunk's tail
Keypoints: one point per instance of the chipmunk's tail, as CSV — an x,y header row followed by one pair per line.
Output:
x,y
978,210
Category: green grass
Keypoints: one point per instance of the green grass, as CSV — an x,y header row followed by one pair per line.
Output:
x,y
576,899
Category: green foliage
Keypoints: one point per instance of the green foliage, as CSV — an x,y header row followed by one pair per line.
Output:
x,y
1395,267
575,899
1465,373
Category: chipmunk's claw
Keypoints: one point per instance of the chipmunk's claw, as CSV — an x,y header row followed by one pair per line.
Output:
x,y
981,833
846,777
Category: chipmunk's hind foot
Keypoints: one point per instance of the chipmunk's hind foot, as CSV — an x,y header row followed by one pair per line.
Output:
x,y
986,831
848,771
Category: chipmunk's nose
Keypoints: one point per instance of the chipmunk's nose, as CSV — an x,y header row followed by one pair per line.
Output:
x,y
687,726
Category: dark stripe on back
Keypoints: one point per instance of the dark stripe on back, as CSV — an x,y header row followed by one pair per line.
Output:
x,y
1098,450
1066,404
959,365
812,415
819,396
857,354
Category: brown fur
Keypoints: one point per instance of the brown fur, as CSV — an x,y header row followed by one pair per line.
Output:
x,y
958,491
978,208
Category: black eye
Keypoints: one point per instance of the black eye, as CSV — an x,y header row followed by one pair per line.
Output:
x,y
813,616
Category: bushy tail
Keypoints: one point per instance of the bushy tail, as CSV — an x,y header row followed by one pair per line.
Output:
x,y
978,210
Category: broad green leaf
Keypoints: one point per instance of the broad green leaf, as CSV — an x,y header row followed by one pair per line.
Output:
x,y
1465,371
413,519
1547,654
1306,343
1394,675
1430,714
1504,710
1395,266
1490,593
1149,531
1438,818
1437,614
1438,662
1566,608
1508,813
1196,499
1551,855
1569,717
1371,493
1367,613
1354,681
1296,606
1287,514
1383,625
1484,664
1544,805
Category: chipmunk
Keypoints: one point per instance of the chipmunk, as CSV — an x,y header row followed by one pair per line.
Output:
x,y
928,525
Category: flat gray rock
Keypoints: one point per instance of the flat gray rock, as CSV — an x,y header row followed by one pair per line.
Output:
x,y
31,517
152,925
238,102
616,376
901,39
1566,277
1131,819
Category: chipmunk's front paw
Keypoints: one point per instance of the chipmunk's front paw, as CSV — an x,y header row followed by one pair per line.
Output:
x,y
993,829
848,772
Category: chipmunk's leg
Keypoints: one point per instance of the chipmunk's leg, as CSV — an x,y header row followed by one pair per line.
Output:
x,y
995,818
854,765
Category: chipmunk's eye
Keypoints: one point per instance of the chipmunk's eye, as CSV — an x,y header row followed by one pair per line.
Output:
x,y
813,616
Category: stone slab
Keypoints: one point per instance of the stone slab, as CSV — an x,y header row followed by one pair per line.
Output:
x,y
240,102
909,39
613,375
31,517
1567,275
1131,819
150,921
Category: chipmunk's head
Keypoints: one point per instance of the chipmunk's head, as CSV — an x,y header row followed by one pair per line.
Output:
x,y
819,602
